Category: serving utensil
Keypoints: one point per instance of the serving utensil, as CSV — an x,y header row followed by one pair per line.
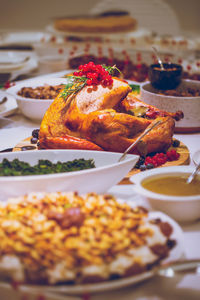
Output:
x,y
138,139
3,100
177,267
191,177
158,58
6,150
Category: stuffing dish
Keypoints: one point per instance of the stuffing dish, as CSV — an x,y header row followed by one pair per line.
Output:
x,y
41,92
50,238
187,92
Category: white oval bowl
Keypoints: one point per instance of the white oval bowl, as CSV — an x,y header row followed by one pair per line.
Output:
x,y
196,157
181,208
34,108
52,63
12,60
107,173
190,106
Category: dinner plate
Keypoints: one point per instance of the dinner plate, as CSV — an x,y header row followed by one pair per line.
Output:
x,y
111,285
15,63
11,60
21,37
9,107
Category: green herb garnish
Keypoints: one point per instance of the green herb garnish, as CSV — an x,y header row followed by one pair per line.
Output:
x,y
20,168
135,88
111,69
76,83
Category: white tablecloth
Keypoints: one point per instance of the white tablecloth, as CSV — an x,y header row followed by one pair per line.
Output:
x,y
155,288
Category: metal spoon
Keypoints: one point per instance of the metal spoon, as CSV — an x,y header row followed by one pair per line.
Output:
x,y
158,58
173,268
191,177
138,139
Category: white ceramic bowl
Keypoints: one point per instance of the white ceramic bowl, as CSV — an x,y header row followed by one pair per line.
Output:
x,y
196,157
12,61
52,63
181,208
107,173
190,106
34,108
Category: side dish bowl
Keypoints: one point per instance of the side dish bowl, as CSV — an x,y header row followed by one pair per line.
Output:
x,y
196,157
107,173
12,61
34,108
187,104
167,78
180,207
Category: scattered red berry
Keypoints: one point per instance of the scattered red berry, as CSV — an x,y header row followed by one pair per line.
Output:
x,y
96,74
161,158
172,155
8,84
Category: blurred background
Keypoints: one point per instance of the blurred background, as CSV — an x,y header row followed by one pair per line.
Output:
x,y
172,26
35,15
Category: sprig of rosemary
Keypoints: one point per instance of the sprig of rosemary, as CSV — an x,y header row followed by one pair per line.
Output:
x,y
75,84
111,69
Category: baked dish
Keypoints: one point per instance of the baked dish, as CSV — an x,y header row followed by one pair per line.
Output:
x,y
102,113
96,24
50,238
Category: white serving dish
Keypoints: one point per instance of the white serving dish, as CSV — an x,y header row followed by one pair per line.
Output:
x,y
196,157
16,63
180,208
12,60
190,106
52,63
107,173
10,105
112,285
34,108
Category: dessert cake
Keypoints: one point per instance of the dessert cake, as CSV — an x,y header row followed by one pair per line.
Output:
x,y
106,23
49,238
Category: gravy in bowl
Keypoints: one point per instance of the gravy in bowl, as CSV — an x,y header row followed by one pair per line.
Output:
x,y
173,185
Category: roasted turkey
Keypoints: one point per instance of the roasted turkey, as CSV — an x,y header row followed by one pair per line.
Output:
x,y
107,118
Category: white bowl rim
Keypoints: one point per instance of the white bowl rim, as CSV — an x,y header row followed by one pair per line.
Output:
x,y
143,85
33,100
196,157
13,90
129,158
53,58
16,64
139,177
